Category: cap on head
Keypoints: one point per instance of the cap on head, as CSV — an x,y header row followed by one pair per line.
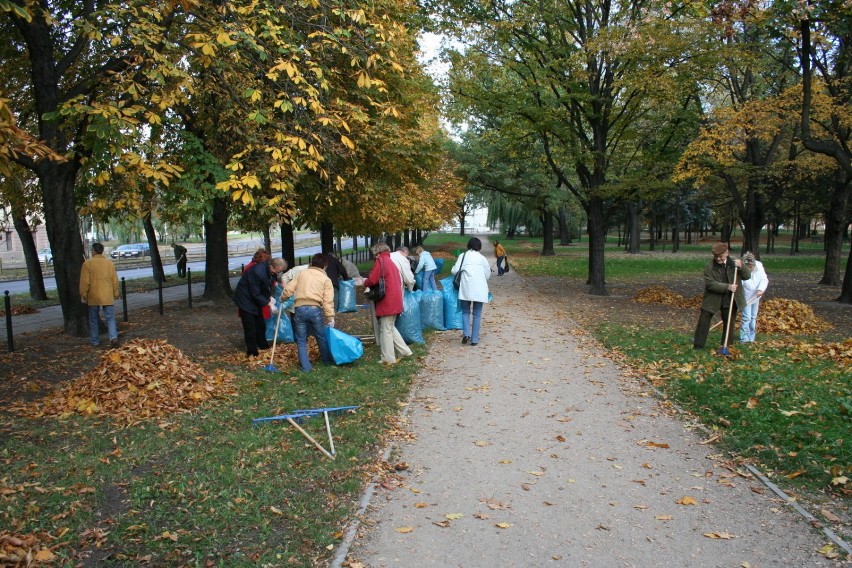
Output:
x,y
720,248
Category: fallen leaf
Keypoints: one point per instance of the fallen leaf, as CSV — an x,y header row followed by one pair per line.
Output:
x,y
482,443
404,530
420,505
503,525
536,473
442,524
44,555
830,517
482,516
454,516
663,517
721,535
687,500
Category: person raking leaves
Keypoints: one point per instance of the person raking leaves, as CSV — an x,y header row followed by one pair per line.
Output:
x,y
721,294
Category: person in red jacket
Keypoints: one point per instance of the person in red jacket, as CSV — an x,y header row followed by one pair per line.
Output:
x,y
388,308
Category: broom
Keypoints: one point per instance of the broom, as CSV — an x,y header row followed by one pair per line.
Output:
x,y
724,349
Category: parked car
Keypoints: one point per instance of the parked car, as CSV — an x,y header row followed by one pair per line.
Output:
x,y
45,257
138,250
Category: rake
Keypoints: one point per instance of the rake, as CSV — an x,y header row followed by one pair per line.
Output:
x,y
724,349
299,415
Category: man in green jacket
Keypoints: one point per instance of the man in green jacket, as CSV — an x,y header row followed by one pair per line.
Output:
x,y
721,276
99,289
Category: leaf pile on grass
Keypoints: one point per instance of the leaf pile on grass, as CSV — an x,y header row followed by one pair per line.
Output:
x,y
662,295
840,352
443,254
141,379
779,315
20,310
25,550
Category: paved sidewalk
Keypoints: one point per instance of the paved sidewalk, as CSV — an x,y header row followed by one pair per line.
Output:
x,y
533,449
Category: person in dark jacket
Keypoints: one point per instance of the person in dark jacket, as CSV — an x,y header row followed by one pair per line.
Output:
x,y
388,308
335,272
180,259
254,291
721,278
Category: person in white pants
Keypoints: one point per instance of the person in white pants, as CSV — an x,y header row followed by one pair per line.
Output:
x,y
754,289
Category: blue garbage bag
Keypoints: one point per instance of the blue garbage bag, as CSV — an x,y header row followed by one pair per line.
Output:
x,y
285,329
432,310
452,307
344,348
439,262
346,297
418,279
408,322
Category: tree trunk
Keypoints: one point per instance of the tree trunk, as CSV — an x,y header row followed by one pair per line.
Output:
x,y
547,240
676,231
835,222
217,283
326,237
156,261
34,273
267,240
564,229
63,232
288,245
846,290
597,240
633,209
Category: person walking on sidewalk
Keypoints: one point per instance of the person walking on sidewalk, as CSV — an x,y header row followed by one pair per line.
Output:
x,y
314,303
180,258
473,291
99,289
500,253
720,290
388,308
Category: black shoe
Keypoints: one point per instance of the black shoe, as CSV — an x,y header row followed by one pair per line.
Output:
x,y
465,339
113,342
477,343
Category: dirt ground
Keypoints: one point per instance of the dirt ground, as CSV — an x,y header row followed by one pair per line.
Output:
x,y
210,331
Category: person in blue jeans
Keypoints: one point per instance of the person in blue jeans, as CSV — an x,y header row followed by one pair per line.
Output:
x,y
314,309
426,265
473,290
99,289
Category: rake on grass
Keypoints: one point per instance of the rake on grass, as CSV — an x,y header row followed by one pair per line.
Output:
x,y
724,349
270,367
299,415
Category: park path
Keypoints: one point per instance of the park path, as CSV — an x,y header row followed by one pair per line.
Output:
x,y
534,449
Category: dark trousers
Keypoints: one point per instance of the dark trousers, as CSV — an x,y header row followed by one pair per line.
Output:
x,y
181,269
703,327
500,269
254,331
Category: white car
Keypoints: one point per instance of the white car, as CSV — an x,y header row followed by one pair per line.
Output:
x,y
45,257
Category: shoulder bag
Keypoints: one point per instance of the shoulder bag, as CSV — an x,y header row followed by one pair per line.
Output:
x,y
457,278
377,292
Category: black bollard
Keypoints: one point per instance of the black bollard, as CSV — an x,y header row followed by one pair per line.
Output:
x,y
189,286
124,297
10,339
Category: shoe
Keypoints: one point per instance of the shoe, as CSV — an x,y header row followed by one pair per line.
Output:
x,y
474,343
114,342
465,339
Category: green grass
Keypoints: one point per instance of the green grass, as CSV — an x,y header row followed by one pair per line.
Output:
x,y
207,488
787,412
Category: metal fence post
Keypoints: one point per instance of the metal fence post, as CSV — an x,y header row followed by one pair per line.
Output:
x,y
10,339
124,297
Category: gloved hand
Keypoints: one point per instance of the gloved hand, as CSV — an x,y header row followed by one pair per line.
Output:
x,y
331,323
273,307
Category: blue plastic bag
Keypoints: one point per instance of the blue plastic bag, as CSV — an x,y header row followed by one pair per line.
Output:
x,y
418,279
285,329
346,297
408,322
432,310
452,307
344,348
439,262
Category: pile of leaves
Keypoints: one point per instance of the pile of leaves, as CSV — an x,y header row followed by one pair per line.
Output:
x,y
25,550
841,352
779,315
141,379
662,295
443,254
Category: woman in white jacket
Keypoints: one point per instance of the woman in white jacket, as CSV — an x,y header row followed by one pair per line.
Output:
x,y
473,291
754,288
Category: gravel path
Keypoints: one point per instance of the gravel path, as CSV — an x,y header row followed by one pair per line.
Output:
x,y
533,449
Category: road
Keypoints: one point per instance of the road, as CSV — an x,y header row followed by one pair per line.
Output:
x,y
170,268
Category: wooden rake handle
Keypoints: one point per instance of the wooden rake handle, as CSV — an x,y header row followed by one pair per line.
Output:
x,y
308,436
